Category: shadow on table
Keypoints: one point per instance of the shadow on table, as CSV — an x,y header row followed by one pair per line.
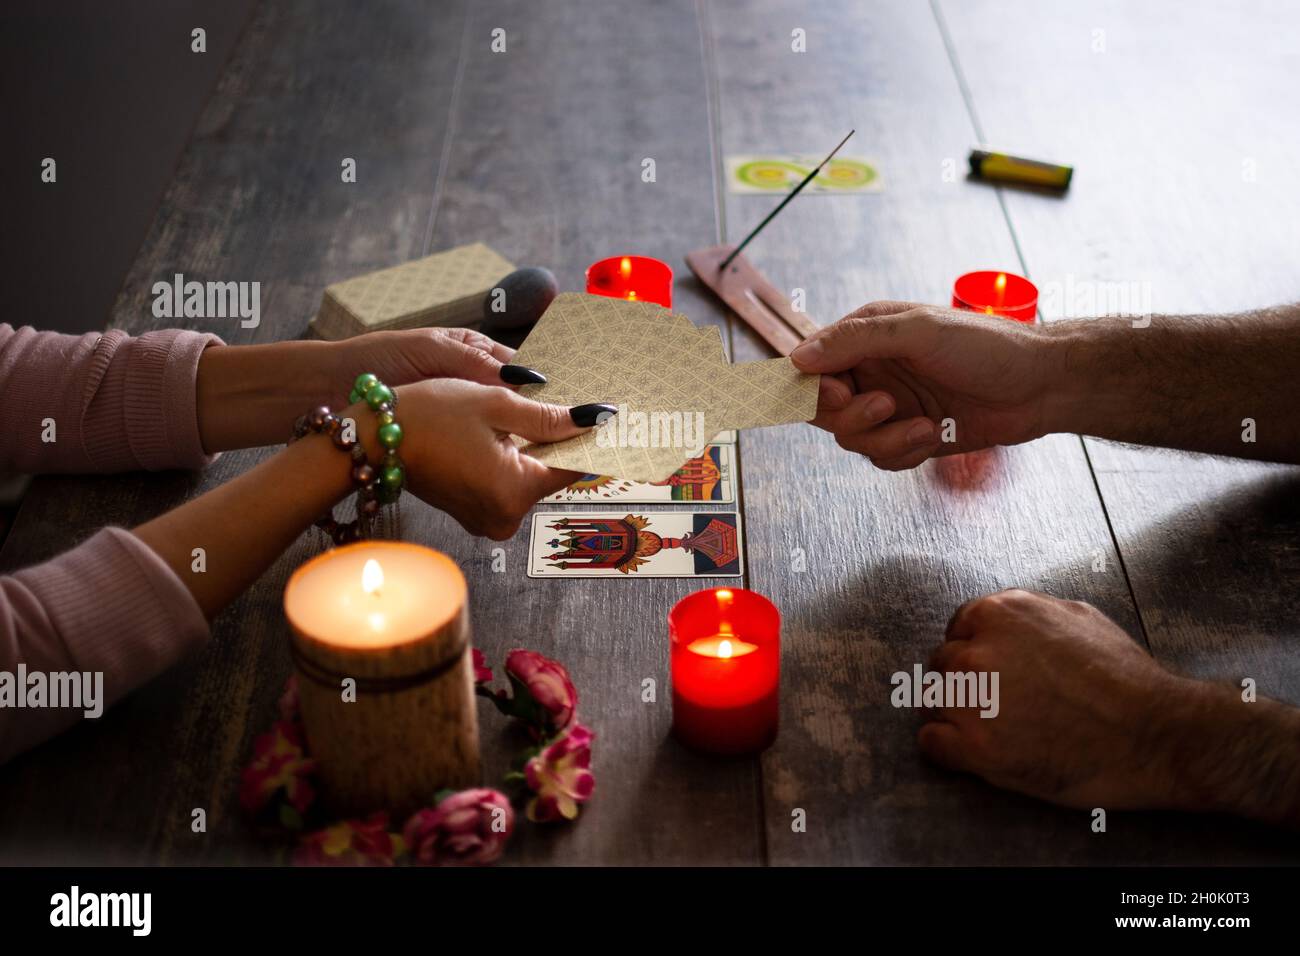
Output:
x,y
888,805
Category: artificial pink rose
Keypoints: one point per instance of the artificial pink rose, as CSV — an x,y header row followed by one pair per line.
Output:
x,y
482,673
468,828
547,684
561,777
350,843
279,765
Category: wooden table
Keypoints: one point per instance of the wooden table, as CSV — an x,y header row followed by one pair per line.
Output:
x,y
1177,118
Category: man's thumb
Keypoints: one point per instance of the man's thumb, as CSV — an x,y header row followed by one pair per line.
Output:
x,y
851,340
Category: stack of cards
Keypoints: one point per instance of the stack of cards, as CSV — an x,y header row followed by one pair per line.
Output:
x,y
672,383
650,362
444,289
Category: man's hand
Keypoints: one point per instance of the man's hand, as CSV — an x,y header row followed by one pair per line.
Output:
x,y
1080,703
897,370
893,371
1088,719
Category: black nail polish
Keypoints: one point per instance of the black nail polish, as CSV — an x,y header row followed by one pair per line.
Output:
x,y
585,416
521,375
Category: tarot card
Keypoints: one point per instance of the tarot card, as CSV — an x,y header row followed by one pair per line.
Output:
x,y
709,478
665,376
653,544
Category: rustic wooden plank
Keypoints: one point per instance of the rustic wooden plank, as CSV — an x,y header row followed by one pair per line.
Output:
x,y
1187,526
890,556
546,165
1183,192
1164,201
257,196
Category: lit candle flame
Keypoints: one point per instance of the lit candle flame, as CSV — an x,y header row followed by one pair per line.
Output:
x,y
625,267
372,577
724,649
1000,283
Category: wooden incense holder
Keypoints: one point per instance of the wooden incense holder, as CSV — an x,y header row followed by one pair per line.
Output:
x,y
763,307
412,729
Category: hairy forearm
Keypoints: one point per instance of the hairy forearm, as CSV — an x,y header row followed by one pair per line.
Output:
x,y
1229,755
249,395
1224,385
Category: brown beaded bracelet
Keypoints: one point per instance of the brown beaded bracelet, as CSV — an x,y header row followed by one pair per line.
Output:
x,y
322,421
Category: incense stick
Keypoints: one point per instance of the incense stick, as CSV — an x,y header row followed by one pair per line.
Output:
x,y
794,192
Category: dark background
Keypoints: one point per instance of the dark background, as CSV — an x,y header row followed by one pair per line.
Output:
x,y
111,92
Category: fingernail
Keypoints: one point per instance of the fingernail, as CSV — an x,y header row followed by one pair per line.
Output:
x,y
877,409
521,375
809,351
585,416
921,433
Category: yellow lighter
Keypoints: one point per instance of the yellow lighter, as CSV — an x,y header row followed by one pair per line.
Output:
x,y
1004,167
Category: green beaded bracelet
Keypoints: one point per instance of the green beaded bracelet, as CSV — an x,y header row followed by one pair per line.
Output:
x,y
382,401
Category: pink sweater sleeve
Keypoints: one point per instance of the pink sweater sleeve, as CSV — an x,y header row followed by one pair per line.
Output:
x,y
108,607
99,403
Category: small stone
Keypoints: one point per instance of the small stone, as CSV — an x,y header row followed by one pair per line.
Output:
x,y
525,295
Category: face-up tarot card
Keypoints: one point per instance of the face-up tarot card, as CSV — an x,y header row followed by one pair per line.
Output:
x,y
710,478
656,544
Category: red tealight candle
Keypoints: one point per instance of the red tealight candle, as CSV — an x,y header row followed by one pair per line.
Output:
x,y
726,670
636,278
996,293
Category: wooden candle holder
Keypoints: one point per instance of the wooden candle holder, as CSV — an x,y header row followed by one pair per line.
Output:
x,y
413,727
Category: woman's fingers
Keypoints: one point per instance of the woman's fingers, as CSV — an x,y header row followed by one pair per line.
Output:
x,y
540,480
484,343
510,412
457,353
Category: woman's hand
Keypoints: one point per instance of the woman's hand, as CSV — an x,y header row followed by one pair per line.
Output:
x,y
413,355
249,395
460,458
